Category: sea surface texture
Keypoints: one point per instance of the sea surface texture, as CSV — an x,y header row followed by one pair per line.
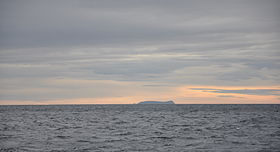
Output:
x,y
140,128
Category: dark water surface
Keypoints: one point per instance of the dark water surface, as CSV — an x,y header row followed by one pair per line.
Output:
x,y
140,128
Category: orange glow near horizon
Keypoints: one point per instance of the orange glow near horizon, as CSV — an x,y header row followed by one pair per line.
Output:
x,y
180,95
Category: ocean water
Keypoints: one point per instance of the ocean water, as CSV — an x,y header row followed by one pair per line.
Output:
x,y
140,128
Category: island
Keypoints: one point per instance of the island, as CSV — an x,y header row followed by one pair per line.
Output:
x,y
156,102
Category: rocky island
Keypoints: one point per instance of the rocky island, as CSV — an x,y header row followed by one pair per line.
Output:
x,y
156,102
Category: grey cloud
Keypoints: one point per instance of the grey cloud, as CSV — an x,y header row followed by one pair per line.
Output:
x,y
137,22
206,89
228,96
164,42
135,65
157,85
275,92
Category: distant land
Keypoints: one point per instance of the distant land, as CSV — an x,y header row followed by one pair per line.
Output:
x,y
156,102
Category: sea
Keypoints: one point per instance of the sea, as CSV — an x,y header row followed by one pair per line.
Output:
x,y
146,128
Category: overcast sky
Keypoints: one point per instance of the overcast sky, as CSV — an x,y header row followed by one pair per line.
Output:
x,y
108,51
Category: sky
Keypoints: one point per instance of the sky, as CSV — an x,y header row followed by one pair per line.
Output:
x,y
126,51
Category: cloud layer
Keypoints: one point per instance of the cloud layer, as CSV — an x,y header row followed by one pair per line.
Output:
x,y
143,43
274,92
